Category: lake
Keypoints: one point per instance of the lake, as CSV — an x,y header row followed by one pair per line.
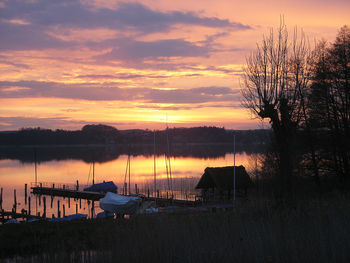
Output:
x,y
185,174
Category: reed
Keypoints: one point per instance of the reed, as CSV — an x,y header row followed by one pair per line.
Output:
x,y
313,230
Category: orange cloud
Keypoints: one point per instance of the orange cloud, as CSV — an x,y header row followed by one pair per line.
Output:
x,y
67,63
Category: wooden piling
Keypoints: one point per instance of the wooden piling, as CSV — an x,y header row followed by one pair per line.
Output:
x,y
157,193
44,201
25,193
79,203
39,200
29,205
51,201
1,198
76,208
15,200
92,209
77,185
58,209
68,202
64,210
136,190
148,193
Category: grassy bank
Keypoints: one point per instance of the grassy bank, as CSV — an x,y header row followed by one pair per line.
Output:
x,y
310,231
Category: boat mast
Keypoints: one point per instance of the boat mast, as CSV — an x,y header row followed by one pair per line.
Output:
x,y
154,164
167,139
93,172
167,170
35,168
129,174
125,189
234,169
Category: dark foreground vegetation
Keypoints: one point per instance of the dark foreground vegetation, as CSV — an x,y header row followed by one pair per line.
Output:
x,y
316,230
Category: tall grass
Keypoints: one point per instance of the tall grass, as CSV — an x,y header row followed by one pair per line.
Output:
x,y
314,230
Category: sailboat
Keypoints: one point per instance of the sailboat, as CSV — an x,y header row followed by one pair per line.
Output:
x,y
120,204
104,187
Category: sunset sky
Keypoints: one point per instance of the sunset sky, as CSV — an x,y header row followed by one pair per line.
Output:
x,y
67,63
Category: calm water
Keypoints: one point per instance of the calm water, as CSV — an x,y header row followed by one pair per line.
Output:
x,y
186,171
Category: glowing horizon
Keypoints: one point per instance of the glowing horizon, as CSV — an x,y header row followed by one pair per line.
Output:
x,y
129,64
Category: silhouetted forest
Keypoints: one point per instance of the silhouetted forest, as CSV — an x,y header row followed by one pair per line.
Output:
x,y
103,143
103,134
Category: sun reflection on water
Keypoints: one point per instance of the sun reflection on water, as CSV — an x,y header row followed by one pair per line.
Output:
x,y
185,173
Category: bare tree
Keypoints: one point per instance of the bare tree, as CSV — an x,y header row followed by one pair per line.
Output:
x,y
330,108
275,82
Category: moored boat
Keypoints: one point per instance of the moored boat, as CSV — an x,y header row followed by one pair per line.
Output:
x,y
120,204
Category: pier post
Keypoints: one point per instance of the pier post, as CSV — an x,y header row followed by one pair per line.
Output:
x,y
53,186
76,208
44,213
157,193
136,190
1,198
64,210
58,209
92,209
148,193
77,185
79,203
68,202
23,212
28,205
51,201
15,200
25,193
39,200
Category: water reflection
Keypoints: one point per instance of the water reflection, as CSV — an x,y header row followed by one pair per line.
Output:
x,y
186,171
102,154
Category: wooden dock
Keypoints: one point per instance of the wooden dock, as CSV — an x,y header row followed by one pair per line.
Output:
x,y
6,215
95,196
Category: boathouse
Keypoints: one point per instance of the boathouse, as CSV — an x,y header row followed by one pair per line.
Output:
x,y
217,183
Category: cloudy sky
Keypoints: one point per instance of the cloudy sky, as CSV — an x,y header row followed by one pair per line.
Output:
x,y
67,63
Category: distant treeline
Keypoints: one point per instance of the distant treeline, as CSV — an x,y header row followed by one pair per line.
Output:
x,y
103,143
103,134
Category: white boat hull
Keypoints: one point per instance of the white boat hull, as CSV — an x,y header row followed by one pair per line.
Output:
x,y
119,204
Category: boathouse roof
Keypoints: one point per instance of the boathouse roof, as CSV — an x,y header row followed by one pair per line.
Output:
x,y
222,178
